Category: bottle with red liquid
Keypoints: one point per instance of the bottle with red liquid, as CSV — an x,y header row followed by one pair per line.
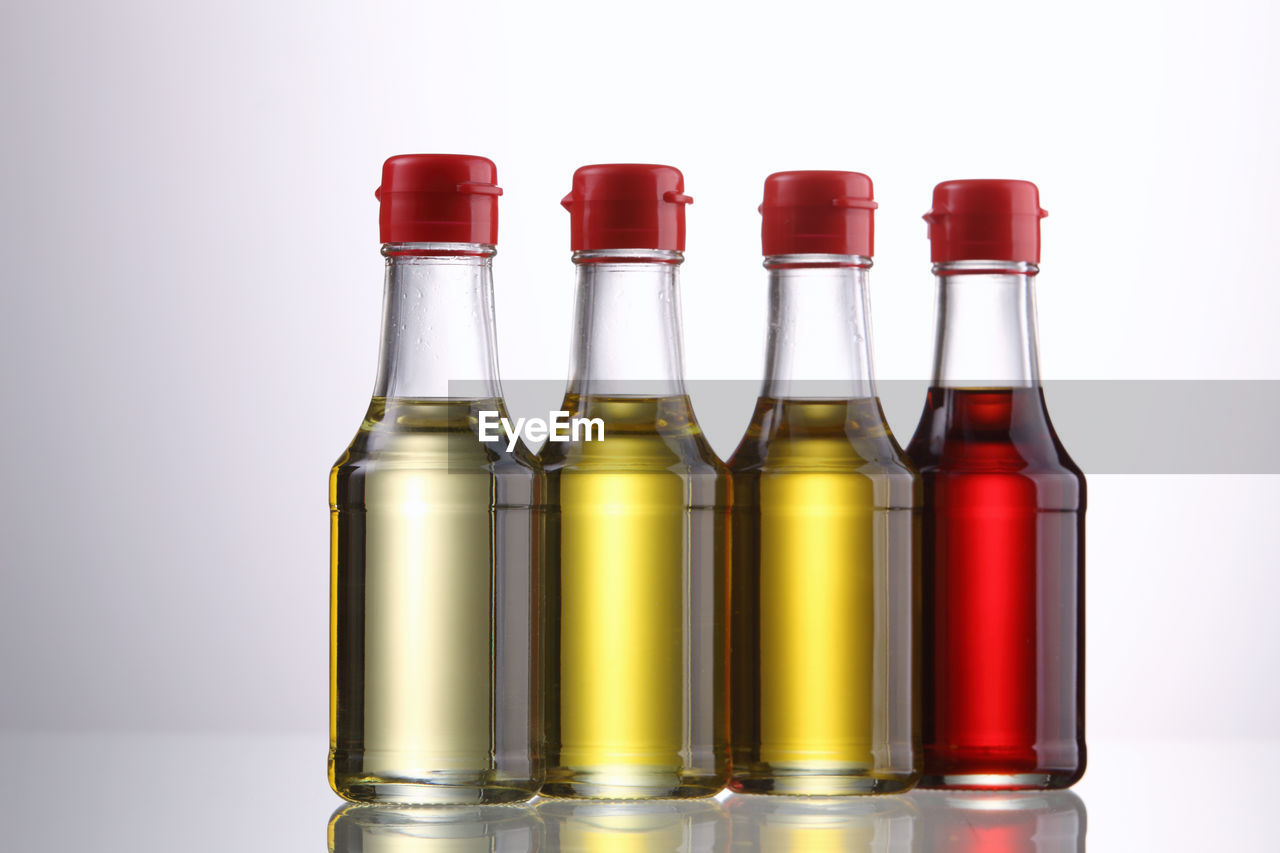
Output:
x,y
1003,527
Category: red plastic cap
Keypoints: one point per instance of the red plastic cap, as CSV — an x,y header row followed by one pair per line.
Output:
x,y
627,206
439,198
827,213
985,220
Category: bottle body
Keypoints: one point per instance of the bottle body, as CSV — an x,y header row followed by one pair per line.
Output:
x,y
433,689
823,593
822,627
1002,548
1003,593
635,578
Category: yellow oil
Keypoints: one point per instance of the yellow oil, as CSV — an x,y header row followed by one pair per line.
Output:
x,y
431,630
635,587
823,598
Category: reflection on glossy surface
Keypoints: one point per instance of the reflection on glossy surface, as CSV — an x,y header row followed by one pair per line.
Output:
x,y
108,818
377,829
671,826
1035,822
822,823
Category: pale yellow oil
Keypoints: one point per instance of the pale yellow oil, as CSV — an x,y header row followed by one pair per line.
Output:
x,y
634,607
823,598
431,629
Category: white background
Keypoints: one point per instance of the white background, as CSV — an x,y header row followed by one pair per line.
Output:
x,y
192,286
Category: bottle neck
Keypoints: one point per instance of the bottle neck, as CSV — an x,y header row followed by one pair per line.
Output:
x,y
437,322
627,340
819,343
986,325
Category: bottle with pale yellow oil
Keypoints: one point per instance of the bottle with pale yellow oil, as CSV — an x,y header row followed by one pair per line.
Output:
x,y
822,628
635,579
433,688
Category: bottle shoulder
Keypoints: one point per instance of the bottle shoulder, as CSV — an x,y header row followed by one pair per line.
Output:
x,y
656,435
996,458
828,435
432,435
684,456
989,432
893,464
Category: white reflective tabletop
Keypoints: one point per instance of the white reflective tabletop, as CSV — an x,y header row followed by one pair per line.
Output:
x,y
205,792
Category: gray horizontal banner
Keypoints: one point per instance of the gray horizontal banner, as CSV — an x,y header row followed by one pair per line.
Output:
x,y
1107,426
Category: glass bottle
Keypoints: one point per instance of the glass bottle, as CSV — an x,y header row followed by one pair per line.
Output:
x,y
635,570
824,501
1003,539
432,682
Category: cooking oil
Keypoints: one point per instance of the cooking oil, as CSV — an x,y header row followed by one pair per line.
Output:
x,y
432,641
634,602
822,601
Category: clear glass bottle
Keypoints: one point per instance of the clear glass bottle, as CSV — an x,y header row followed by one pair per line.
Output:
x,y
822,613
433,694
635,569
1003,524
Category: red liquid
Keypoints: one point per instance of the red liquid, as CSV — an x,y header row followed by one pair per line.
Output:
x,y
1003,593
